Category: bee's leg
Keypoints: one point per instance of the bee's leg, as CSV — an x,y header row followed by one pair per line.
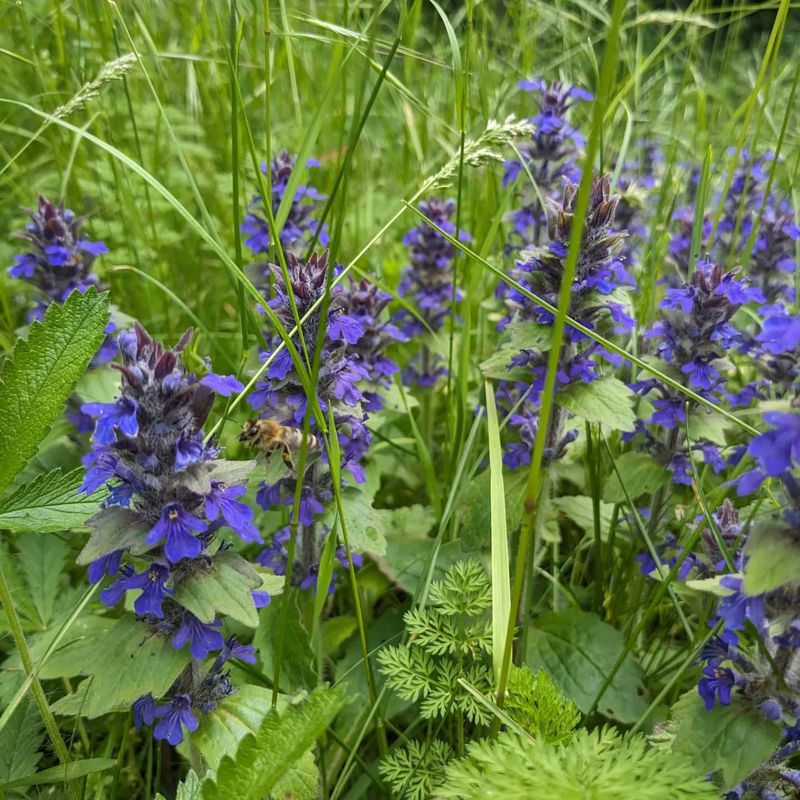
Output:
x,y
286,453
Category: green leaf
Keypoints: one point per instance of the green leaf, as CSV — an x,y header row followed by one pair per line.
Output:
x,y
114,528
365,525
639,473
607,401
300,782
43,559
283,738
297,663
706,426
63,774
129,662
40,375
733,739
578,650
774,557
518,336
221,733
224,588
20,740
580,510
48,504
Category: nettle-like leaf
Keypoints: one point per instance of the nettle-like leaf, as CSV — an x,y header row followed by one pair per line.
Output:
x,y
773,550
535,702
300,782
221,732
222,589
607,401
42,560
20,740
601,764
579,651
732,740
518,336
48,504
415,769
129,662
283,738
42,372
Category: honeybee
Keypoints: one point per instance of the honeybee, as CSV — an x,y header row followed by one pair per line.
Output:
x,y
268,436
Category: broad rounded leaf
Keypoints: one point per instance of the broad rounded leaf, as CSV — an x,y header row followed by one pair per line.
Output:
x,y
579,650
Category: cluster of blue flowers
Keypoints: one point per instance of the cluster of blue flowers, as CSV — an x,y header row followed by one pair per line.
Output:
x,y
428,280
694,334
163,523
59,261
301,223
547,158
599,274
352,369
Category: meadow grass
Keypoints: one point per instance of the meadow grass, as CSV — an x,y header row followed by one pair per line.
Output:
x,y
153,118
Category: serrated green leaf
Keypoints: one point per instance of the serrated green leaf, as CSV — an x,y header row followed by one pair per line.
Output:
x,y
221,733
578,650
114,528
41,373
518,336
774,557
639,473
20,740
283,738
43,559
224,588
733,739
300,782
365,525
607,401
62,774
48,504
129,662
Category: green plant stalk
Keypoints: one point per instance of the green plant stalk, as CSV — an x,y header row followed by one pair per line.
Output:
x,y
535,481
39,697
772,48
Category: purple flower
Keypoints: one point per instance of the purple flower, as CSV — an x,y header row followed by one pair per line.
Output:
x,y
223,385
106,565
734,609
151,582
176,526
174,717
716,684
144,711
202,637
109,416
237,516
777,450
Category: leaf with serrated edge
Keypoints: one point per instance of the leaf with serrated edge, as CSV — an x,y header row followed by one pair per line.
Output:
x,y
283,738
129,662
223,588
607,401
20,741
114,528
42,372
48,504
